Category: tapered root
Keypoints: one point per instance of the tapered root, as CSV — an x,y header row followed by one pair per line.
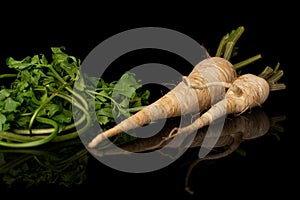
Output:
x,y
247,91
183,99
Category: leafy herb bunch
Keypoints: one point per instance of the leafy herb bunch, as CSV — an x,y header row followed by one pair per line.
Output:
x,y
36,105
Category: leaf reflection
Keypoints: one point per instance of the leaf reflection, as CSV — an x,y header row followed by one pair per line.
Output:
x,y
63,164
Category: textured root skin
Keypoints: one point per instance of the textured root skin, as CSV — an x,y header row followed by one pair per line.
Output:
x,y
247,91
182,99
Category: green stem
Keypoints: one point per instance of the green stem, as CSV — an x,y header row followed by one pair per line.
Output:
x,y
11,136
47,130
36,142
266,72
8,75
221,46
276,76
75,134
276,67
60,79
247,61
233,37
41,106
277,86
56,75
83,101
58,138
108,97
272,77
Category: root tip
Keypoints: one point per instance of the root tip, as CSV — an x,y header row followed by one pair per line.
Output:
x,y
96,141
189,190
91,145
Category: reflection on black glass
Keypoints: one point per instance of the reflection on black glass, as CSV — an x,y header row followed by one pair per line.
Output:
x,y
236,129
248,126
62,164
65,163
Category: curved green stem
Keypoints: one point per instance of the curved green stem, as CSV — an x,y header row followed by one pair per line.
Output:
x,y
11,136
41,106
74,134
106,96
36,142
47,130
58,138
56,75
83,101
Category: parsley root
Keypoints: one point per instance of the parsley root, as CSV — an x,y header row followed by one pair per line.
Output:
x,y
213,71
246,91
182,99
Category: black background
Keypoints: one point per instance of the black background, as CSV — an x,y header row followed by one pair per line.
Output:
x,y
269,168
